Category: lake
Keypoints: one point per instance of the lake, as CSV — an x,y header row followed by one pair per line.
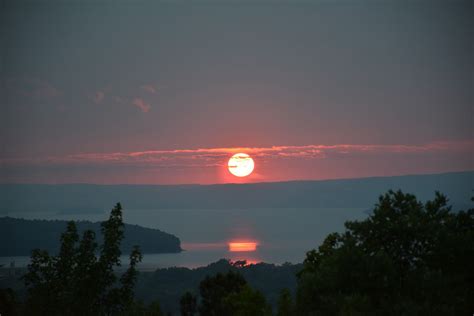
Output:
x,y
281,234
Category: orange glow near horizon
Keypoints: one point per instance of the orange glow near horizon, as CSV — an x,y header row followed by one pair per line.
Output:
x,y
242,246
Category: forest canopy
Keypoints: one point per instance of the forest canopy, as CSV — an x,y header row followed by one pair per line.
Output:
x,y
406,258
26,235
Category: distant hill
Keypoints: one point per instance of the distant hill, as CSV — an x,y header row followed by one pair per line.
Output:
x,y
19,236
363,192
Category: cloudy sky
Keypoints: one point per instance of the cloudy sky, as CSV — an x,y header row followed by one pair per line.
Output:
x,y
165,92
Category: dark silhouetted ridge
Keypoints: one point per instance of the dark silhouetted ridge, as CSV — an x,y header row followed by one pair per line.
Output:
x,y
20,236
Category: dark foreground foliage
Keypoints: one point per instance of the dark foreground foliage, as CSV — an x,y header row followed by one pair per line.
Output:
x,y
168,285
229,294
407,258
77,281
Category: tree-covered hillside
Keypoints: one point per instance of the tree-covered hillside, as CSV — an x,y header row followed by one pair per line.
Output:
x,y
20,236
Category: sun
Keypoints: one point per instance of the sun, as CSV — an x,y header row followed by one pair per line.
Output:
x,y
240,165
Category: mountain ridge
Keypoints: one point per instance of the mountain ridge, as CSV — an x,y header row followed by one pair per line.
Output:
x,y
356,192
244,184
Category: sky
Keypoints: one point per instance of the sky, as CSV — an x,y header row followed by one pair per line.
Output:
x,y
164,92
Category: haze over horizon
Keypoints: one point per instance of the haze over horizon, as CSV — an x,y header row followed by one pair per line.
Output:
x,y
161,93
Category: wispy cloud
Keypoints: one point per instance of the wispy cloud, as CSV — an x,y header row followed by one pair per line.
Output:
x,y
150,88
141,104
211,157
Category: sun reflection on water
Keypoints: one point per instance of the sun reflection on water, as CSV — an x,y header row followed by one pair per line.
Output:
x,y
242,246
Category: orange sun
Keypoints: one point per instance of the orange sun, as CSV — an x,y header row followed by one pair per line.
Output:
x,y
240,165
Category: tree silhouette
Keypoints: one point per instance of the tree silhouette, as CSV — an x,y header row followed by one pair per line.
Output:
x,y
8,302
405,258
229,294
188,304
247,302
76,281
215,289
285,305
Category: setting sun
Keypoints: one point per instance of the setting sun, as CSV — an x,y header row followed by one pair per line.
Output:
x,y
241,165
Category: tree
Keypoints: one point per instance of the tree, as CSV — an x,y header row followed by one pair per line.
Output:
x,y
188,304
407,257
76,281
229,294
154,309
285,305
247,302
215,289
8,302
